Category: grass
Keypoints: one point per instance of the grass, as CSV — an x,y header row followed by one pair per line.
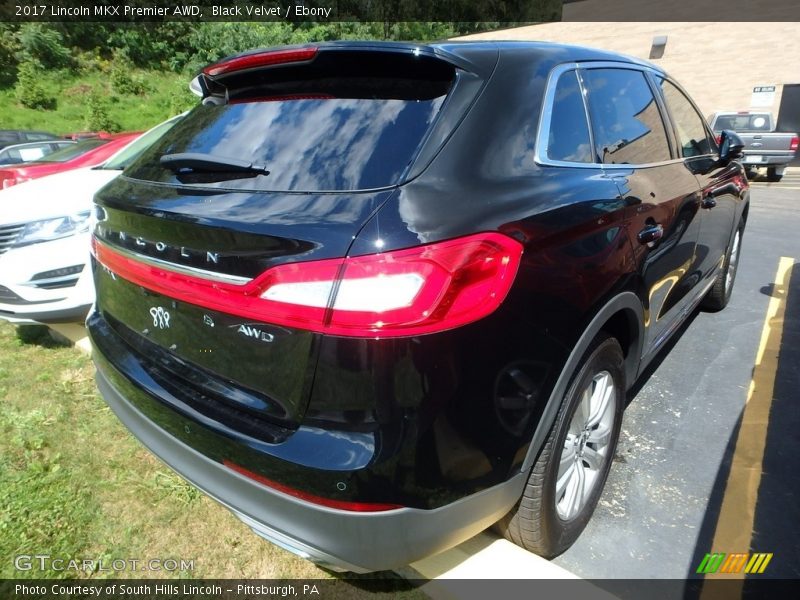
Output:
x,y
74,484
166,94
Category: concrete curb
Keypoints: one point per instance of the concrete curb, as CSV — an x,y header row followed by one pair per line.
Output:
x,y
487,557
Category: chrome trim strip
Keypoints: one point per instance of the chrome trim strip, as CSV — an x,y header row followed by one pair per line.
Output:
x,y
183,269
546,114
585,100
680,318
59,279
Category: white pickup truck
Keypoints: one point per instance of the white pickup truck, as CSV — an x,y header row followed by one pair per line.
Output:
x,y
763,147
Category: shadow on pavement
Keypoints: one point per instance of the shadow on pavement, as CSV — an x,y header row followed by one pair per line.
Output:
x,y
662,353
777,509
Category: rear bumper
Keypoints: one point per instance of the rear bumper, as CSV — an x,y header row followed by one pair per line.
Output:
x,y
340,540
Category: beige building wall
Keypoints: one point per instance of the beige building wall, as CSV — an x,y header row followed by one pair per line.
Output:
x,y
719,64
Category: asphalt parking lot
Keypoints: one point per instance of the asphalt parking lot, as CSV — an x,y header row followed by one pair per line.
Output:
x,y
725,400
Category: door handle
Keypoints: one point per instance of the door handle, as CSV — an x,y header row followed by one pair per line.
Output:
x,y
708,201
651,233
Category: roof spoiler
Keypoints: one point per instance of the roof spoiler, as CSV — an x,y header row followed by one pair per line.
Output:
x,y
259,59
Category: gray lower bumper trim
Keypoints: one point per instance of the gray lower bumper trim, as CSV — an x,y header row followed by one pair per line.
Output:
x,y
36,312
341,540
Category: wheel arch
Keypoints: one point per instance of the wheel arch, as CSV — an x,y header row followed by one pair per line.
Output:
x,y
621,317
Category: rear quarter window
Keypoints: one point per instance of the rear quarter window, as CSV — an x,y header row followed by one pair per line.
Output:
x,y
568,138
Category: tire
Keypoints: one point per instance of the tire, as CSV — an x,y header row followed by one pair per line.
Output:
x,y
719,295
772,174
751,174
544,521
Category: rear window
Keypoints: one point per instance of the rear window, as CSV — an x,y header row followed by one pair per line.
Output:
x,y
345,125
133,150
753,122
17,155
75,150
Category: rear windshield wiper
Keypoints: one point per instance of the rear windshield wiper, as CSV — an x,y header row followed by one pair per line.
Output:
x,y
208,163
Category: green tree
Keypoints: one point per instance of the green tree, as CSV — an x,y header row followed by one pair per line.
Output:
x,y
124,78
8,55
43,44
29,90
97,117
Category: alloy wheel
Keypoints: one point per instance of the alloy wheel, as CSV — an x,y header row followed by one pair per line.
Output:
x,y
733,262
586,446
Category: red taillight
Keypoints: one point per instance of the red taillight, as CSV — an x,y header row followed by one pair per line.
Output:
x,y
406,292
427,289
793,143
330,503
260,59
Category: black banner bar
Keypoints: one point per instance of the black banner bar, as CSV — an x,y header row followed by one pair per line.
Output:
x,y
154,11
502,12
357,587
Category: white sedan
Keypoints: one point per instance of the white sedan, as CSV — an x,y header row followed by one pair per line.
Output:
x,y
44,239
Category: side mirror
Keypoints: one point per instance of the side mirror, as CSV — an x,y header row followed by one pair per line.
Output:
x,y
730,146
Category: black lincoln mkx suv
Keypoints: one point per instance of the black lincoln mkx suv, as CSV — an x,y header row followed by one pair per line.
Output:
x,y
376,297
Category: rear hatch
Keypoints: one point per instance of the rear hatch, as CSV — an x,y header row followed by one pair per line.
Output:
x,y
290,153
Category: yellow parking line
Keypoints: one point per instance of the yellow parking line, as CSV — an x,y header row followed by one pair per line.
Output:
x,y
737,515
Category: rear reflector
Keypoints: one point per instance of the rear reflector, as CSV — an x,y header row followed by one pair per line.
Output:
x,y
260,59
337,504
401,293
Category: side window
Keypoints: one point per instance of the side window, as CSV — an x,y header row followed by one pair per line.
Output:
x,y
568,138
626,121
35,137
693,137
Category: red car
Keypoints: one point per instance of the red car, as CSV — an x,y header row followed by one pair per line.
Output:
x,y
86,153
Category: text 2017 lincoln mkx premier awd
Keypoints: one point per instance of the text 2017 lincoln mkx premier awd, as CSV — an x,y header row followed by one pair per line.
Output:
x,y
376,297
